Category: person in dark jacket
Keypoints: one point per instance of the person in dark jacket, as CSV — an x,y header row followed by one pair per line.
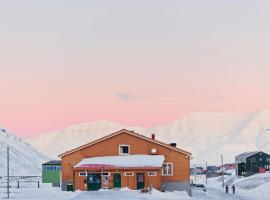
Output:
x,y
233,189
227,189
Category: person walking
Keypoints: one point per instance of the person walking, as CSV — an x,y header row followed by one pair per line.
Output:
x,y
233,189
227,189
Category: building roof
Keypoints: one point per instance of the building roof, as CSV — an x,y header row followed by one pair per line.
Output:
x,y
121,162
128,132
53,162
247,154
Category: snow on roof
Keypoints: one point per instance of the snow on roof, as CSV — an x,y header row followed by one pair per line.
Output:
x,y
127,161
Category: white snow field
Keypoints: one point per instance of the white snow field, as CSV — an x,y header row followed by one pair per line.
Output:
x,y
255,187
46,192
24,160
203,134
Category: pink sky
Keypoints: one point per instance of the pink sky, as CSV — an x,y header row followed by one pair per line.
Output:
x,y
106,62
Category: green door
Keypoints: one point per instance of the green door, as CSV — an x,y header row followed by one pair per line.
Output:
x,y
117,180
93,181
140,181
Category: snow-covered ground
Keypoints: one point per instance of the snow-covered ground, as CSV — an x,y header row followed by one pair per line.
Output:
x,y
251,188
49,193
255,187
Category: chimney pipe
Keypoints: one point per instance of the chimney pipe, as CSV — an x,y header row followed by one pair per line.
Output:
x,y
173,144
153,136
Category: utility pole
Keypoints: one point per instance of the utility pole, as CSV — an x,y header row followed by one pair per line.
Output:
x,y
8,172
206,173
222,170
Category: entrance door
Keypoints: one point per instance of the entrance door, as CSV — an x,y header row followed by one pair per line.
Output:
x,y
140,181
93,181
117,180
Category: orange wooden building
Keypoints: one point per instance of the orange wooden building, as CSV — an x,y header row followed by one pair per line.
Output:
x,y
126,159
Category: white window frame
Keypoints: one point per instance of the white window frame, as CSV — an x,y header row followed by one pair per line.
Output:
x,y
253,160
124,145
80,173
154,174
108,173
167,163
132,174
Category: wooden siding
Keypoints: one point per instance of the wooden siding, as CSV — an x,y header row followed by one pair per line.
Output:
x,y
110,147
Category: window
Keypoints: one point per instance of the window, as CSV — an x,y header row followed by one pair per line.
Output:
x,y
253,160
129,174
261,159
167,169
105,173
82,174
51,168
55,168
124,149
152,173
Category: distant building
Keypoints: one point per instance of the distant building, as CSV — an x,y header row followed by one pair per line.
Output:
x,y
51,172
229,166
212,169
249,163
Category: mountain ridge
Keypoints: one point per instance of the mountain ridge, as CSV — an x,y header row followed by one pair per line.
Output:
x,y
24,160
205,134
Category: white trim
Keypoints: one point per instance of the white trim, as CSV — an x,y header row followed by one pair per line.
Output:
x,y
167,163
80,173
108,173
132,174
155,174
124,145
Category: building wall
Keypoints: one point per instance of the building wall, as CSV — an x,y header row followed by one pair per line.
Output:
x,y
52,176
110,147
260,161
126,181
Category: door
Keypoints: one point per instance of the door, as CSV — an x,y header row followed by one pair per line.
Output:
x,y
140,181
117,180
93,181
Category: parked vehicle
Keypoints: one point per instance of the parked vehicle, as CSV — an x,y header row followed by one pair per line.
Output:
x,y
198,187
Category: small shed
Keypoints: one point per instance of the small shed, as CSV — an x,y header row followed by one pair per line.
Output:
x,y
51,172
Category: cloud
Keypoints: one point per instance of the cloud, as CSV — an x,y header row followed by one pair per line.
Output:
x,y
124,96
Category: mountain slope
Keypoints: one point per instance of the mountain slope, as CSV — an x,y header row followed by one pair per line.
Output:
x,y
24,160
206,135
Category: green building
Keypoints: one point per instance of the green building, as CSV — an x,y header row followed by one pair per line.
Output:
x,y
51,172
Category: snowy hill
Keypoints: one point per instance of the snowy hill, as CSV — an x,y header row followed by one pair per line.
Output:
x,y
206,135
24,160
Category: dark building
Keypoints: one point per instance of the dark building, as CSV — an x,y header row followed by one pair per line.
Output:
x,y
249,163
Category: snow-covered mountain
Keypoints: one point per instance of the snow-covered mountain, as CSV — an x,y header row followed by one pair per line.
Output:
x,y
206,135
24,160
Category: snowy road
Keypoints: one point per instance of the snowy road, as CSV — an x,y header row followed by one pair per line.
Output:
x,y
213,193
